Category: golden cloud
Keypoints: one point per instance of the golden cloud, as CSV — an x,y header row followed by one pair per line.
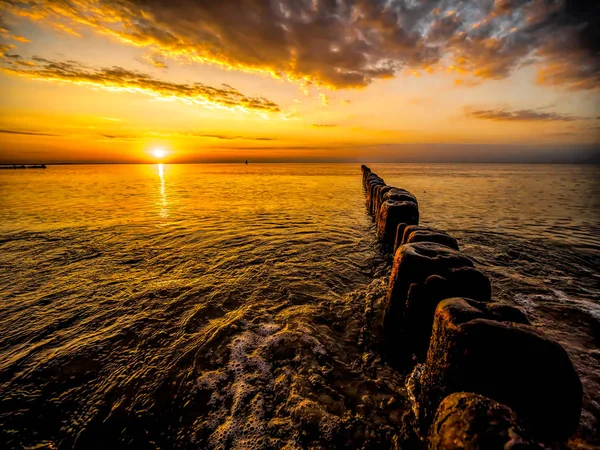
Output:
x,y
153,59
350,43
118,78
522,115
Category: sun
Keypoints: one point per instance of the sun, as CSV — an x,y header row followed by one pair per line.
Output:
x,y
159,153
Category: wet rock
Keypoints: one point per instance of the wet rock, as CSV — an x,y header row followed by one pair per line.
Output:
x,y
413,265
423,298
377,193
393,194
372,184
506,313
511,363
498,311
391,214
415,233
399,195
470,421
370,195
399,236
377,201
365,173
372,178
467,282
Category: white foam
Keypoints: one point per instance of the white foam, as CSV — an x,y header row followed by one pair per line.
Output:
x,y
238,418
530,302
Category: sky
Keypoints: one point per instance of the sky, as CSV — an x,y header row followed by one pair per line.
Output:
x,y
299,80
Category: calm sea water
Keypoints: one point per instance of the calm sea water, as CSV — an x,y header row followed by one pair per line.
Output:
x,y
224,306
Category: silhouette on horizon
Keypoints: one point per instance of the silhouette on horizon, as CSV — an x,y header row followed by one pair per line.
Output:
x,y
246,162
22,166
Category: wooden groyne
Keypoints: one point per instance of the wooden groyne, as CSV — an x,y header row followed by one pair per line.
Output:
x,y
483,377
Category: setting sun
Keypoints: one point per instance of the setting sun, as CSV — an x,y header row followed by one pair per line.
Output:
x,y
159,153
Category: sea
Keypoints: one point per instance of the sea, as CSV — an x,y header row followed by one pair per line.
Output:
x,y
227,306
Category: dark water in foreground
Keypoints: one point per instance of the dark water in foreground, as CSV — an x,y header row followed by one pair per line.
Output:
x,y
224,306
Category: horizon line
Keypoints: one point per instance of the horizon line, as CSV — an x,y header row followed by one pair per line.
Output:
x,y
88,163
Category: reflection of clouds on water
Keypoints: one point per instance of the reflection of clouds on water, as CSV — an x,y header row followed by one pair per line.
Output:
x,y
164,213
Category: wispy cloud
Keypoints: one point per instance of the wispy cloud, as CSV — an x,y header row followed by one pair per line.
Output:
x,y
324,125
522,115
20,38
27,133
154,59
118,78
119,136
3,28
468,82
5,48
231,137
350,43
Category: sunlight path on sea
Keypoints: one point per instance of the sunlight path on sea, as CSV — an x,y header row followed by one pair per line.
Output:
x,y
163,208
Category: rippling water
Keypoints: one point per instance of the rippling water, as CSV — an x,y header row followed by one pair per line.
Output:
x,y
227,306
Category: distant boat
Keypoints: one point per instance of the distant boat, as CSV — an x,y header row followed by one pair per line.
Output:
x,y
246,162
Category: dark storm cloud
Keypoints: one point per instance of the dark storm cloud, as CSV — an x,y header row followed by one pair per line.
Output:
x,y
130,80
349,43
28,133
522,115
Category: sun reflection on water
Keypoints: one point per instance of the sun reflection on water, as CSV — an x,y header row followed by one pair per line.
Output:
x,y
163,195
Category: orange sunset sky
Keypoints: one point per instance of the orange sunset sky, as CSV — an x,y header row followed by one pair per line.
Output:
x,y
294,80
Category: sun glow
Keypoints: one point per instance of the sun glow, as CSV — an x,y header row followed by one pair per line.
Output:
x,y
159,153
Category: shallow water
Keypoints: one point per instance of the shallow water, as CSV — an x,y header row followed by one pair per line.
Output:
x,y
227,306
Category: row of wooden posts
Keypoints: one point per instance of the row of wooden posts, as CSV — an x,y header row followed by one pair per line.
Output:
x,y
472,358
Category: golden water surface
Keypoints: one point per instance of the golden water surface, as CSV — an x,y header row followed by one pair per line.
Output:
x,y
225,306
